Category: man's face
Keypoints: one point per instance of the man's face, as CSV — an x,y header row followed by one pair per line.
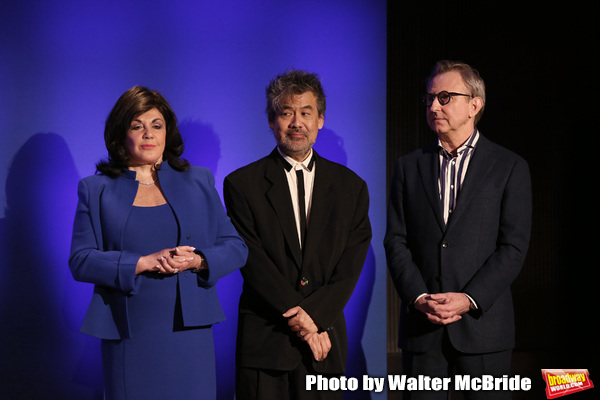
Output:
x,y
456,117
296,125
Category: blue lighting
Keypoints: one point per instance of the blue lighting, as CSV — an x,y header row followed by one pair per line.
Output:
x,y
63,64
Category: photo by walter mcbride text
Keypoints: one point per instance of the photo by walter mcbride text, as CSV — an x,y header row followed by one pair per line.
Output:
x,y
419,383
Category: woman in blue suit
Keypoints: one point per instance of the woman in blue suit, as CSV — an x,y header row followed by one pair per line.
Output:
x,y
151,234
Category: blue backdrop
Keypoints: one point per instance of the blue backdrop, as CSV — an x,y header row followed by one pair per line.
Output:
x,y
63,64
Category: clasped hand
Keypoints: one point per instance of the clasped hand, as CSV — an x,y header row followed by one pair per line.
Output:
x,y
300,322
169,261
443,308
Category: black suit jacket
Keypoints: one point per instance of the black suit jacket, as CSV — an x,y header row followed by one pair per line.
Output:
x,y
479,252
259,204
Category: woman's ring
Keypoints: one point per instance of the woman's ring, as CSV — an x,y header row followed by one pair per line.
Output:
x,y
176,270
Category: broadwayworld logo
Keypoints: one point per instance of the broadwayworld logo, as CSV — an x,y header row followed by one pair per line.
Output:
x,y
560,382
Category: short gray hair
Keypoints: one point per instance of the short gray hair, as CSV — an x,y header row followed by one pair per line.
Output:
x,y
470,77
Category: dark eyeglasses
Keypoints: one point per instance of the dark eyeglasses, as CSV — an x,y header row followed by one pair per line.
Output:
x,y
443,97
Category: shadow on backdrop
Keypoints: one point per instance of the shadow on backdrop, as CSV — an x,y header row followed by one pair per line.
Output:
x,y
203,148
43,354
202,144
331,146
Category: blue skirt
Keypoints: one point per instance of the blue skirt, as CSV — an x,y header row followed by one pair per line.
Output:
x,y
161,359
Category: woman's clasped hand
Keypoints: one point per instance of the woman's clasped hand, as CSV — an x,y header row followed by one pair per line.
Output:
x,y
170,261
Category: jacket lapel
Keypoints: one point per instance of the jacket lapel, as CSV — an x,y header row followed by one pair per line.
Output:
x,y
429,166
479,166
321,206
116,202
281,201
170,184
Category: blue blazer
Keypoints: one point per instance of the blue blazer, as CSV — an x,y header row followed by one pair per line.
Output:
x,y
97,256
479,252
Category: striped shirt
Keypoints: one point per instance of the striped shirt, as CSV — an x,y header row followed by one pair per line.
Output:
x,y
453,171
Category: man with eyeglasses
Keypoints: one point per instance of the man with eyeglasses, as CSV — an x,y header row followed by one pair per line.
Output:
x,y
459,221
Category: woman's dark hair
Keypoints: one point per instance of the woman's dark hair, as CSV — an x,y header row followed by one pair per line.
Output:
x,y
133,103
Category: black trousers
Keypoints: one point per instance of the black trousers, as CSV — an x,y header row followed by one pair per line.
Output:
x,y
444,361
260,384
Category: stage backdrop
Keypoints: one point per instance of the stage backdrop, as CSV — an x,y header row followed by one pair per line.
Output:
x,y
63,64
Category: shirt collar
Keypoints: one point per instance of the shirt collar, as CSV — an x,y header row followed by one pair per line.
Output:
x,y
290,163
470,143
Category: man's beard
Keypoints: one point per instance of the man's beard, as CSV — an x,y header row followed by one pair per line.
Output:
x,y
295,147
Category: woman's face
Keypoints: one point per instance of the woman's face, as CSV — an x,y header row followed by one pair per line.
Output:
x,y
146,138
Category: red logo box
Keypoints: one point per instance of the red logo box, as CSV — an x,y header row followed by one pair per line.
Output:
x,y
560,382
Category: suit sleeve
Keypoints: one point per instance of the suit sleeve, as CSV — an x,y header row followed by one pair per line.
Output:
x,y
326,303
404,272
228,252
87,261
260,273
